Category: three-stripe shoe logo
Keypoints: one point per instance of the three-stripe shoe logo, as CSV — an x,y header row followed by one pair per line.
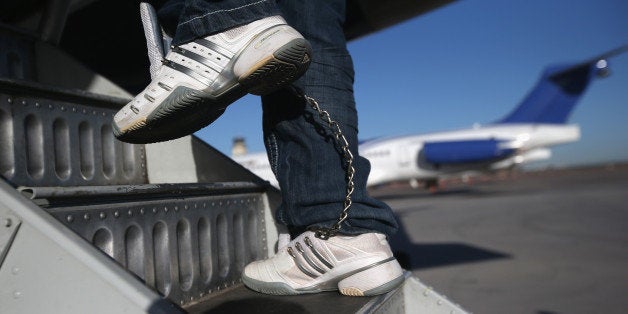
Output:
x,y
326,266
318,268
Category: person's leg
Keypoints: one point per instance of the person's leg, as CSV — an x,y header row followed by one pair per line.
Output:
x,y
302,153
221,51
187,20
311,174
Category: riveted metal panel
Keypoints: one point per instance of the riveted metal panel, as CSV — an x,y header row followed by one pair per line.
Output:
x,y
47,268
49,142
185,247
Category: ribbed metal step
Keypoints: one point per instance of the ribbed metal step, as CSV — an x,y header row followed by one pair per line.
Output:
x,y
190,243
239,299
184,240
411,297
54,137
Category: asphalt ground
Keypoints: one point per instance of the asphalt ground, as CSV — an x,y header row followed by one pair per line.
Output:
x,y
544,243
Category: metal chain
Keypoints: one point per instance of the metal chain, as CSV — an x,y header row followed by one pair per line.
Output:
x,y
341,140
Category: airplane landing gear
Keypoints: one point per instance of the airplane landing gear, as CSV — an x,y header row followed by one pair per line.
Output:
x,y
432,185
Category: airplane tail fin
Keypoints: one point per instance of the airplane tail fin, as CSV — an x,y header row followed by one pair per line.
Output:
x,y
558,90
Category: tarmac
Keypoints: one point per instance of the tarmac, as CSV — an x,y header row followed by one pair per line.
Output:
x,y
548,242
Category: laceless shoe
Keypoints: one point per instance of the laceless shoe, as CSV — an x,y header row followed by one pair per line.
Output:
x,y
360,265
198,80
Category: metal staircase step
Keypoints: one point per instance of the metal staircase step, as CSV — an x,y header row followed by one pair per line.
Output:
x,y
411,297
53,137
239,299
184,240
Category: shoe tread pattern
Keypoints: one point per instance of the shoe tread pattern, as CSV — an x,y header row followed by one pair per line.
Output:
x,y
288,64
184,112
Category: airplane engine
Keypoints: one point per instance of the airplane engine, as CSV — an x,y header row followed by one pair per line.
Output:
x,y
467,151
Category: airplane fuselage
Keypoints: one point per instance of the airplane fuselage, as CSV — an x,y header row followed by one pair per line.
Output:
x,y
402,158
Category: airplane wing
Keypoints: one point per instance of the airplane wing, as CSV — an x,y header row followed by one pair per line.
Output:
x,y
368,16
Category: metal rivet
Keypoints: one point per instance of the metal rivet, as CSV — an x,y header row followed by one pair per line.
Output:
x,y
69,218
185,207
142,211
130,212
176,208
103,215
116,214
86,216
9,100
154,210
166,209
17,294
62,108
24,102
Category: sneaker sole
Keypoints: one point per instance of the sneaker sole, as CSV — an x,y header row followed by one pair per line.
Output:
x,y
187,110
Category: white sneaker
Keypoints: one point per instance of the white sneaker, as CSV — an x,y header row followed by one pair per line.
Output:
x,y
198,80
360,265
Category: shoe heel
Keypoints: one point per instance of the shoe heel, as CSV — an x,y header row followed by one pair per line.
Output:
x,y
373,281
287,64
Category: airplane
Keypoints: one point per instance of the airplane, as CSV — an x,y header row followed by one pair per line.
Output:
x,y
522,136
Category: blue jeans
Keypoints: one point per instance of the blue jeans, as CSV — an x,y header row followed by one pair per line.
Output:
x,y
300,146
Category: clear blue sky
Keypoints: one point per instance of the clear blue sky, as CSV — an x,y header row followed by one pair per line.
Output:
x,y
471,62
